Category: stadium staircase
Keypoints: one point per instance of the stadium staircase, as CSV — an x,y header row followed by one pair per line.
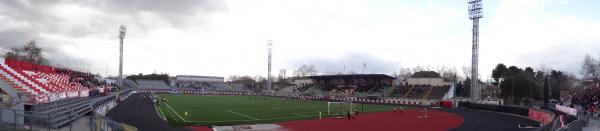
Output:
x,y
427,93
313,90
376,92
131,84
286,89
408,92
389,91
304,87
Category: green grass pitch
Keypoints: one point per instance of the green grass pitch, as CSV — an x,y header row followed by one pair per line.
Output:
x,y
231,110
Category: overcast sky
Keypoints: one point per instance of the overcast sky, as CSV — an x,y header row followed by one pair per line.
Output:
x,y
229,37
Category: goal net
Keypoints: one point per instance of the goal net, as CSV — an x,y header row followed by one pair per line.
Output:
x,y
339,108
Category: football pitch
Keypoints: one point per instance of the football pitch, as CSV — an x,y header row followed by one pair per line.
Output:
x,y
232,110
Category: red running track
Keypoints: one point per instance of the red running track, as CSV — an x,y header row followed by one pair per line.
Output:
x,y
380,121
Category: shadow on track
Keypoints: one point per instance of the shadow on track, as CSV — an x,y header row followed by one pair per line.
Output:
x,y
139,111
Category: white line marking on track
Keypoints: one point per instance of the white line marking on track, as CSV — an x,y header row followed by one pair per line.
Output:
x,y
241,114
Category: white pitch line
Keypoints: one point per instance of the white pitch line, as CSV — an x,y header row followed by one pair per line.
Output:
x,y
297,114
281,118
241,114
162,114
175,112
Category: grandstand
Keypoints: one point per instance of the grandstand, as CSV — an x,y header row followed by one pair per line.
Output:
x,y
48,96
221,86
131,84
43,84
345,85
55,97
287,89
369,85
438,92
420,91
153,84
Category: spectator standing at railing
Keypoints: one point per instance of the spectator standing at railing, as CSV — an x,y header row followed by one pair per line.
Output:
x,y
348,115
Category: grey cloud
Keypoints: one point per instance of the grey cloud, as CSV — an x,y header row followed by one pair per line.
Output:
x,y
353,62
177,12
167,7
565,56
25,20
15,38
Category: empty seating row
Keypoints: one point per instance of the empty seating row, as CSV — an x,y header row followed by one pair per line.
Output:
x,y
40,83
158,84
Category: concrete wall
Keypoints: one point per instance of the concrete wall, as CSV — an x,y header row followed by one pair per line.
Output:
x,y
303,81
428,81
199,79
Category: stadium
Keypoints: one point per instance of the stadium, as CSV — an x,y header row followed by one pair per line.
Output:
x,y
48,98
69,79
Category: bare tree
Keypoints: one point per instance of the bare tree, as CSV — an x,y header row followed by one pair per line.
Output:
x,y
282,74
30,53
282,77
448,72
306,70
590,69
466,72
420,68
404,73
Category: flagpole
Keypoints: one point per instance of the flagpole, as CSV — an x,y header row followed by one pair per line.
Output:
x,y
344,72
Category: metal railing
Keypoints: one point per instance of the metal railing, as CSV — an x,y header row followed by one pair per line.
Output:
x,y
101,123
19,120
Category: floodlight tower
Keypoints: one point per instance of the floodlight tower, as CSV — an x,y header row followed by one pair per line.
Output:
x,y
122,30
475,14
269,79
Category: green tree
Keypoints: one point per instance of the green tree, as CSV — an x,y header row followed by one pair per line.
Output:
x,y
518,85
557,81
498,73
426,74
464,88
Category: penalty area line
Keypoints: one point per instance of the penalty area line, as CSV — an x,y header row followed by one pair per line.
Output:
x,y
241,114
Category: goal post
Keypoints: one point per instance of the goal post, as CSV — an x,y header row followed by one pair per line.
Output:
x,y
339,108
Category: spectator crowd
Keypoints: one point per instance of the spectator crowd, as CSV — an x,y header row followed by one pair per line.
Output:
x,y
589,99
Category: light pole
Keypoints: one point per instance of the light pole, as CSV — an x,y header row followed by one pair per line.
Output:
x,y
475,14
269,79
122,30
